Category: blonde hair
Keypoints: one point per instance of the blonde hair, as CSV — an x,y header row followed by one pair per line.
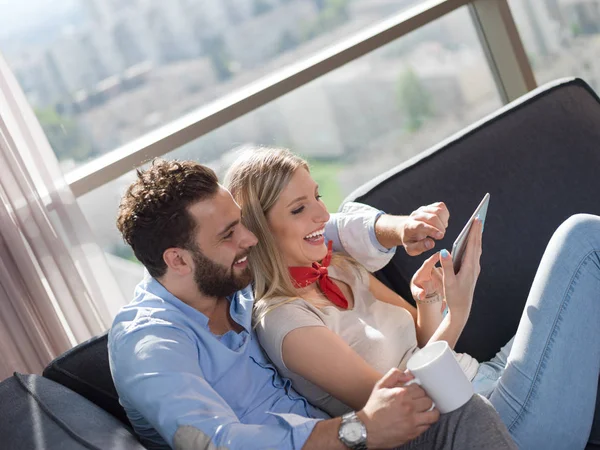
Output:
x,y
256,180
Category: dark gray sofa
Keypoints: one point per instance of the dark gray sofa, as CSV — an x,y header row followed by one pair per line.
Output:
x,y
538,157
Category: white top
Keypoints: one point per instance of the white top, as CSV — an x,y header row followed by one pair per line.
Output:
x,y
383,334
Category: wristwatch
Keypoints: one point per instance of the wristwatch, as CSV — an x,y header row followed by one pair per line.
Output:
x,y
353,432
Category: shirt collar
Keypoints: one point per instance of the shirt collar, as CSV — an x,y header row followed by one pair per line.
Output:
x,y
240,309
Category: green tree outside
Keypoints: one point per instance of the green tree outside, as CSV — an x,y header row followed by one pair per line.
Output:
x,y
326,173
414,99
65,135
217,52
576,29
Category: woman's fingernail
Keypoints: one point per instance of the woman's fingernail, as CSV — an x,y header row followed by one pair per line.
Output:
x,y
428,244
479,220
439,235
444,253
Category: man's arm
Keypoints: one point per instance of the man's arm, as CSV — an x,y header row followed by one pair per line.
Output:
x,y
416,233
352,231
156,372
371,237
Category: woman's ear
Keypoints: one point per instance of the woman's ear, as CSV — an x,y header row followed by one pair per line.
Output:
x,y
178,261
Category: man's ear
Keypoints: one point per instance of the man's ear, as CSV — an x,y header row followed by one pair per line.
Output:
x,y
178,261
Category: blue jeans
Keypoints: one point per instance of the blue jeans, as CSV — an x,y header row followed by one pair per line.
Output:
x,y
543,383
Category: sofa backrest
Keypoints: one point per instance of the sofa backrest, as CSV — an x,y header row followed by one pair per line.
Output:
x,y
85,370
539,158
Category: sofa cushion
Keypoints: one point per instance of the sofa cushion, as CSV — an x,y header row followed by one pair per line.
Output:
x,y
538,157
85,370
37,413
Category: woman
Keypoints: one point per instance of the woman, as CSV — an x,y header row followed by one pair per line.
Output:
x,y
335,330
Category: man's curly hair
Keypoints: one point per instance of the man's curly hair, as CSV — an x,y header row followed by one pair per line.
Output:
x,y
153,213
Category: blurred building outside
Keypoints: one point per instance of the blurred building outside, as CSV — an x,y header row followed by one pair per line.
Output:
x,y
131,66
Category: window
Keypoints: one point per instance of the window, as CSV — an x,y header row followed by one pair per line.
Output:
x,y
100,73
562,38
373,113
353,123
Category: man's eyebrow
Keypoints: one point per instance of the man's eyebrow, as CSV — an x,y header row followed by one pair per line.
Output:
x,y
229,227
296,200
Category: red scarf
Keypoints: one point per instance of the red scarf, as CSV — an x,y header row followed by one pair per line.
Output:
x,y
305,276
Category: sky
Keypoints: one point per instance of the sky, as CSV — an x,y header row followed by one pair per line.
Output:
x,y
18,16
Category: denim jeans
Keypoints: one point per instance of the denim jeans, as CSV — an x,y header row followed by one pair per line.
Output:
x,y
543,383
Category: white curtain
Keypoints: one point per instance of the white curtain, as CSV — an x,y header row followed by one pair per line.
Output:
x,y
56,288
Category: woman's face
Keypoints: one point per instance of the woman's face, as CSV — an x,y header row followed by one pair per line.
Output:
x,y
297,221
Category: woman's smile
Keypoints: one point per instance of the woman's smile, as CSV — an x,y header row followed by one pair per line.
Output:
x,y
316,237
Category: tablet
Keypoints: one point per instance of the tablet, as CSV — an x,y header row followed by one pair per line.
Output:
x,y
460,244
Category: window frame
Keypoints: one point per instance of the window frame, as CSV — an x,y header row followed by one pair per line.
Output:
x,y
495,27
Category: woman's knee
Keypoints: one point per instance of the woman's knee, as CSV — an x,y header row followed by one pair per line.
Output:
x,y
580,228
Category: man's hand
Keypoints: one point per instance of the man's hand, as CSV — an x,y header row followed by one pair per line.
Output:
x,y
416,233
395,414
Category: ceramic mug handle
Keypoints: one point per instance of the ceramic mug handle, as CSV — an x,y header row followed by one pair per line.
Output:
x,y
415,380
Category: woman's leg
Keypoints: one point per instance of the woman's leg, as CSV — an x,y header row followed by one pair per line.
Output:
x,y
547,393
489,372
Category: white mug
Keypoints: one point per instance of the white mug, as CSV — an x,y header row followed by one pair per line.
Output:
x,y
436,369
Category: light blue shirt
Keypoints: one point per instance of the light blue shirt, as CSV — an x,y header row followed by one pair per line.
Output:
x,y
186,388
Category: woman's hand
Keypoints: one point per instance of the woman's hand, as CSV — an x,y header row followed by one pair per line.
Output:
x,y
428,280
427,287
459,288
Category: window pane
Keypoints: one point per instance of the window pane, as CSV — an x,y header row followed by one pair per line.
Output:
x,y
371,114
562,38
353,123
100,73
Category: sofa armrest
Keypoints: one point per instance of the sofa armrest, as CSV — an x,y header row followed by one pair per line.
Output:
x,y
37,413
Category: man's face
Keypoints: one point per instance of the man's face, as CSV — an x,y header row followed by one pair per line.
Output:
x,y
222,246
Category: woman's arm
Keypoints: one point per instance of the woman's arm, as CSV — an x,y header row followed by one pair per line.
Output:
x,y
382,293
427,316
450,329
323,358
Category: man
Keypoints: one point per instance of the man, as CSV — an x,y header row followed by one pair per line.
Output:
x,y
184,357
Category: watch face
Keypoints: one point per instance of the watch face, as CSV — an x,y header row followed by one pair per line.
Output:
x,y
353,431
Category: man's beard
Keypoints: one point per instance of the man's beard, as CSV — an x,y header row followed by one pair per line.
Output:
x,y
216,280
